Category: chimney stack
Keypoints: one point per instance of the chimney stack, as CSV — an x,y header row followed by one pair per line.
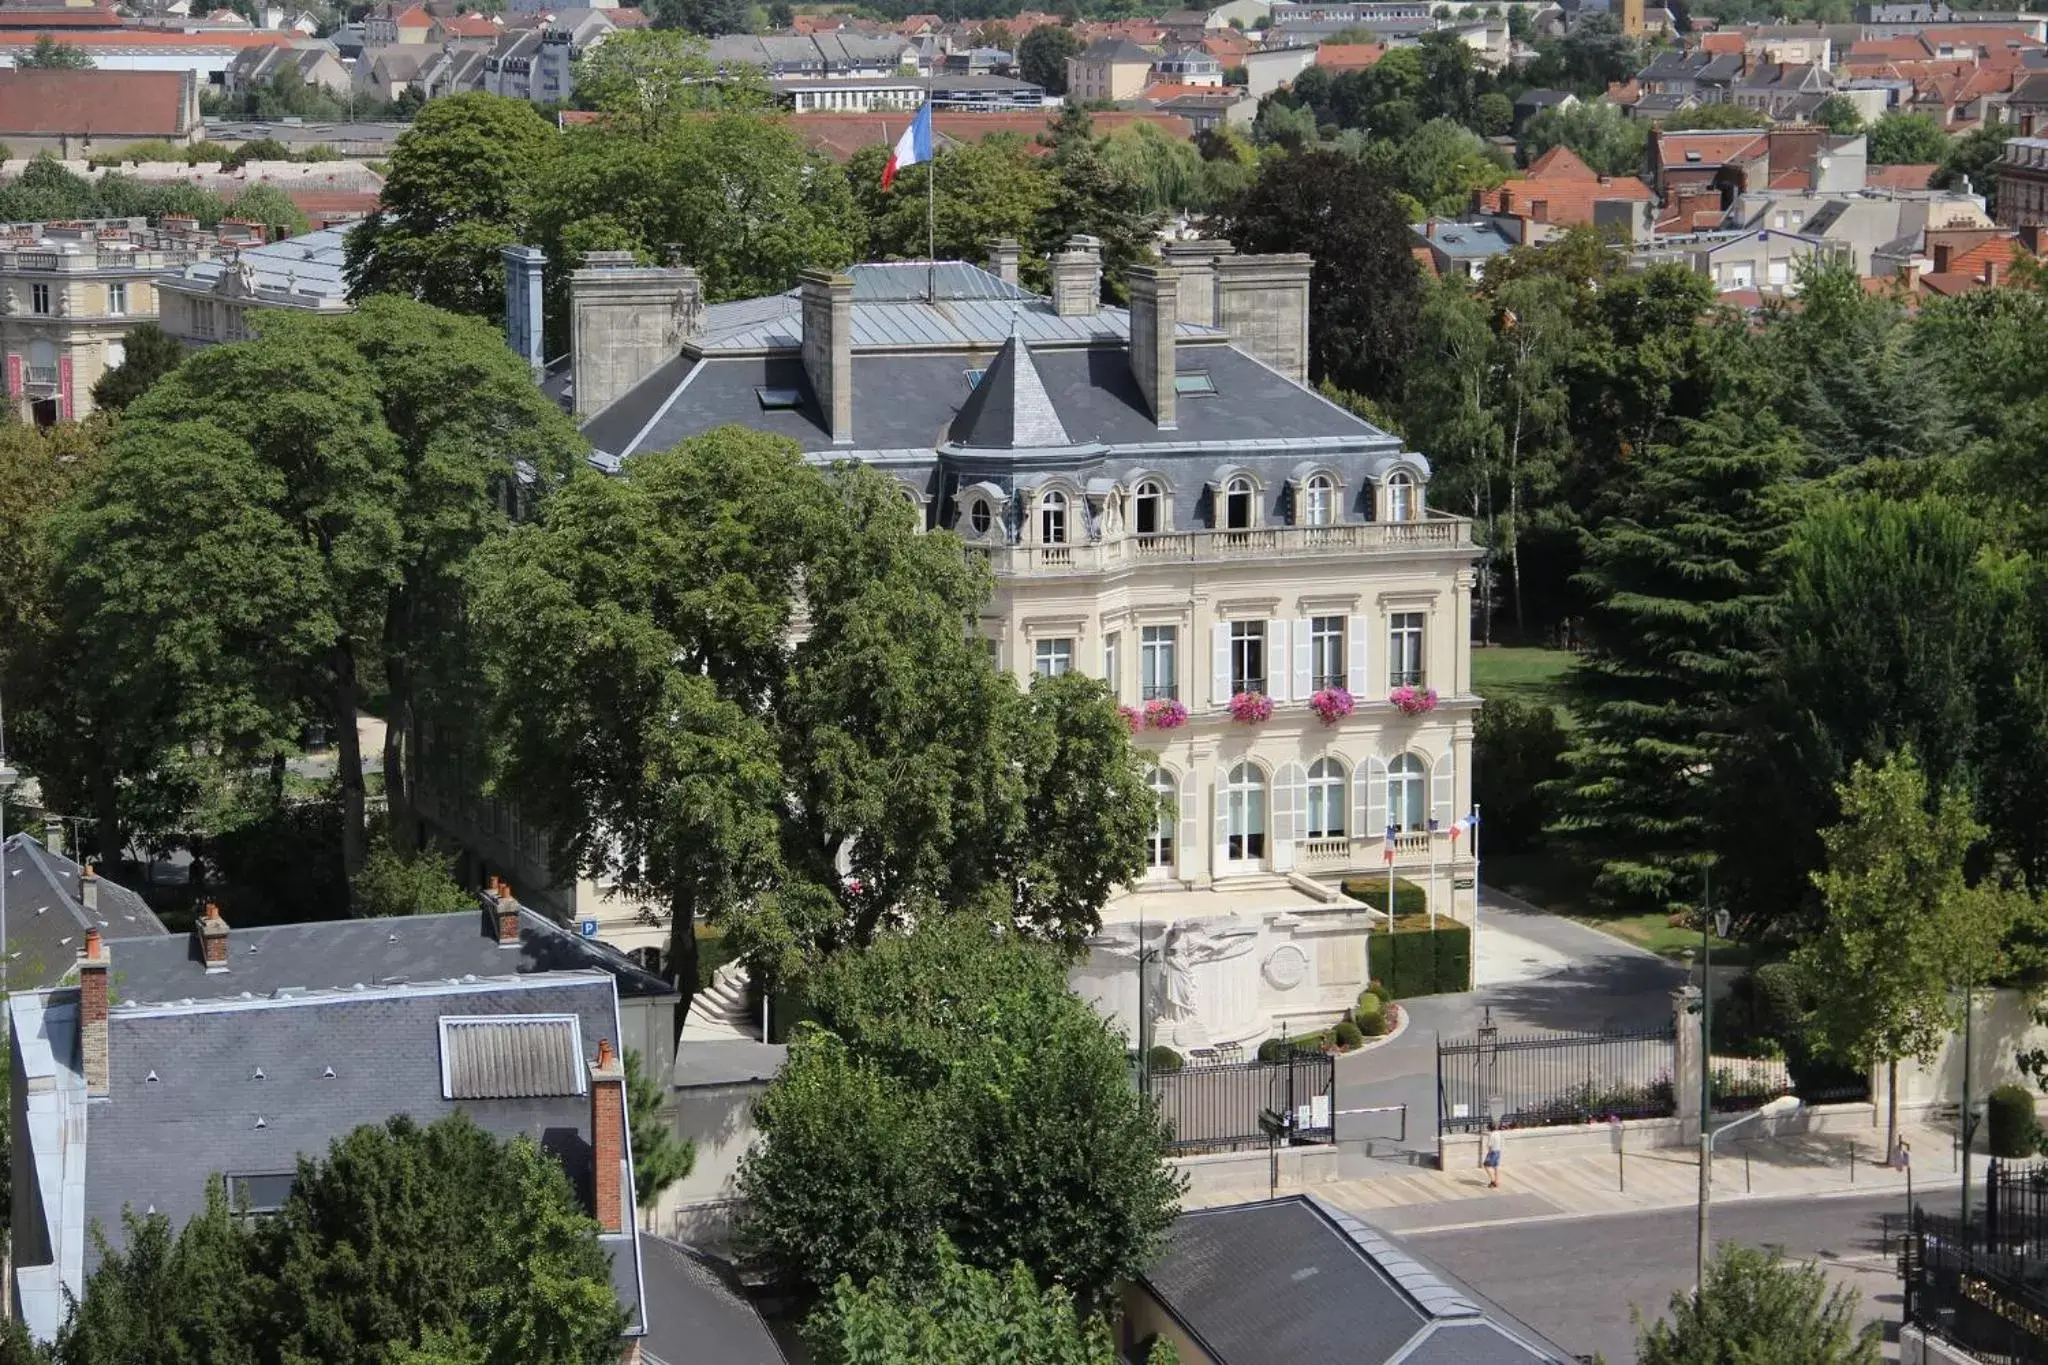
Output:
x,y
1262,301
212,932
1991,274
89,890
625,322
828,348
92,1013
1195,263
1941,258
1077,277
501,913
1003,254
608,1138
1155,304
523,289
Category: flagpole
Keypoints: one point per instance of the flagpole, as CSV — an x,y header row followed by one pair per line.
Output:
x,y
931,193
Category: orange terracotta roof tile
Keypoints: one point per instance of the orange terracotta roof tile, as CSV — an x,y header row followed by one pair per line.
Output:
x,y
107,104
1348,56
1560,163
148,38
1721,44
1906,177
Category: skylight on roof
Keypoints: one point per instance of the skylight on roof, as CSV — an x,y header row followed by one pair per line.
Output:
x,y
973,378
1194,383
779,400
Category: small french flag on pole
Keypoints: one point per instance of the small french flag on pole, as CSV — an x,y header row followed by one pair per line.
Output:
x,y
1390,844
914,146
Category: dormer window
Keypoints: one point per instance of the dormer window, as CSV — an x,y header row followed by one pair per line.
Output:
x,y
1238,504
1400,497
1318,501
1052,518
1150,509
980,517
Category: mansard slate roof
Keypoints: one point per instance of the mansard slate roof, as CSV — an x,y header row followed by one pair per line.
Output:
x,y
47,919
1010,408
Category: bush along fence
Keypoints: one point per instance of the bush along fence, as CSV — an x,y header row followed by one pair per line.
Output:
x,y
1412,959
1532,1080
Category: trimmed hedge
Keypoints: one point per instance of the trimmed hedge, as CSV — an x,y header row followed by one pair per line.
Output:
x,y
1347,1034
1409,898
1422,961
2014,1130
1164,1058
1370,1006
1376,1026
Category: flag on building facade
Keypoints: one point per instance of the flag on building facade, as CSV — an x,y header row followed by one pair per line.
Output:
x,y
914,146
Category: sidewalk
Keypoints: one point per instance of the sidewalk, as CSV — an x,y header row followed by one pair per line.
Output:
x,y
1811,1166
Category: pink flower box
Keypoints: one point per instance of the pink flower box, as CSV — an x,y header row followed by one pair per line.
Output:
x,y
1416,701
1165,714
1133,718
1332,704
1251,708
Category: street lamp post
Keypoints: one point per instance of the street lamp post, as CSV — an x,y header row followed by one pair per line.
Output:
x,y
1781,1107
1712,923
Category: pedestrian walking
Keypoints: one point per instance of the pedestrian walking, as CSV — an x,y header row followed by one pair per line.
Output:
x,y
1491,1160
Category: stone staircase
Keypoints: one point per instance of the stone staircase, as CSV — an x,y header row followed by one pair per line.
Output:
x,y
719,1011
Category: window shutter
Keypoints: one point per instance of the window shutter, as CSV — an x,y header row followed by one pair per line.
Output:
x,y
1354,645
1369,800
1219,664
1304,678
1443,788
1188,847
1276,660
1222,828
1290,813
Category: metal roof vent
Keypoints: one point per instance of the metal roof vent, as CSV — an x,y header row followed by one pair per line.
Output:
x,y
261,1122
150,1079
259,1074
328,1074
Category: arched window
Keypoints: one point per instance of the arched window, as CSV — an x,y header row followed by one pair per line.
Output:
x,y
1408,794
1244,805
1237,505
980,517
1326,792
1318,501
1150,509
1052,518
1159,844
1400,497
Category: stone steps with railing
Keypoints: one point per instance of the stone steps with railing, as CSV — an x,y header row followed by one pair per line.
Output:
x,y
720,1011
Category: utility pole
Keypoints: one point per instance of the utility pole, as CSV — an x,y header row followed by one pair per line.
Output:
x,y
1711,923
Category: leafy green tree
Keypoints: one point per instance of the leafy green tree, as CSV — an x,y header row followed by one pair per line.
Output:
x,y
1362,318
1757,1309
391,882
1439,166
1095,195
706,18
272,207
1493,115
149,353
960,1314
1171,171
1853,386
457,190
1973,158
1839,115
1042,56
1902,139
953,1085
1607,140
257,149
818,789
993,188
644,80
1285,125
660,1156
1903,927
50,55
1517,750
1676,578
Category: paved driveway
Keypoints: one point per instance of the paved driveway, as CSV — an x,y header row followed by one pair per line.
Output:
x,y
1539,973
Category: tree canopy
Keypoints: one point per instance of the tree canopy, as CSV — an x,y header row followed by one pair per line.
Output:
x,y
1758,1309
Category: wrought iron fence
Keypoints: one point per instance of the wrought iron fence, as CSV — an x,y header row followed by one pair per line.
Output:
x,y
1249,1105
2016,1211
1532,1080
1738,1084
1961,1288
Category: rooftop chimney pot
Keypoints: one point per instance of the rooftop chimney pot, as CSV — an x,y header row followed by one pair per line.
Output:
x,y
1077,277
827,302
212,932
1155,302
1003,255
608,1138
92,1014
89,890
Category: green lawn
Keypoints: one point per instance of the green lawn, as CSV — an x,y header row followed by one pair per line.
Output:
x,y
1564,889
1532,675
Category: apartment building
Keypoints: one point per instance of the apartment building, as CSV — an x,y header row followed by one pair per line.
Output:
x,y
209,301
1166,505
69,292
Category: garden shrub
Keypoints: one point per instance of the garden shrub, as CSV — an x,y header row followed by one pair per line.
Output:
x,y
2014,1129
1347,1034
1409,898
1370,1006
1164,1058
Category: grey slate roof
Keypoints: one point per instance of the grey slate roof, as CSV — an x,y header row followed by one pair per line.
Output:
x,y
696,1312
1294,1280
1009,408
335,954
1114,50
46,920
308,266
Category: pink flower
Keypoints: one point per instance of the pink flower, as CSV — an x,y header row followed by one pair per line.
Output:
x,y
1413,700
1165,713
1132,717
1332,704
1251,708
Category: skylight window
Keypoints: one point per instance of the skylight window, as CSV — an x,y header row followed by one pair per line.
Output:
x,y
973,378
779,400
1194,383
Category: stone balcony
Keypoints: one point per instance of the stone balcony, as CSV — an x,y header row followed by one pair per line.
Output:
x,y
1436,532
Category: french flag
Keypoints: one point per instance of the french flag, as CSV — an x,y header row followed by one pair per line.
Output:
x,y
914,146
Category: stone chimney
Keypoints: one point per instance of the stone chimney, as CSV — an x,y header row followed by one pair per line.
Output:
x,y
1195,263
608,1138
89,890
523,289
1155,311
501,913
828,348
1991,274
92,1013
1262,301
211,931
1003,255
1941,250
1077,277
625,322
